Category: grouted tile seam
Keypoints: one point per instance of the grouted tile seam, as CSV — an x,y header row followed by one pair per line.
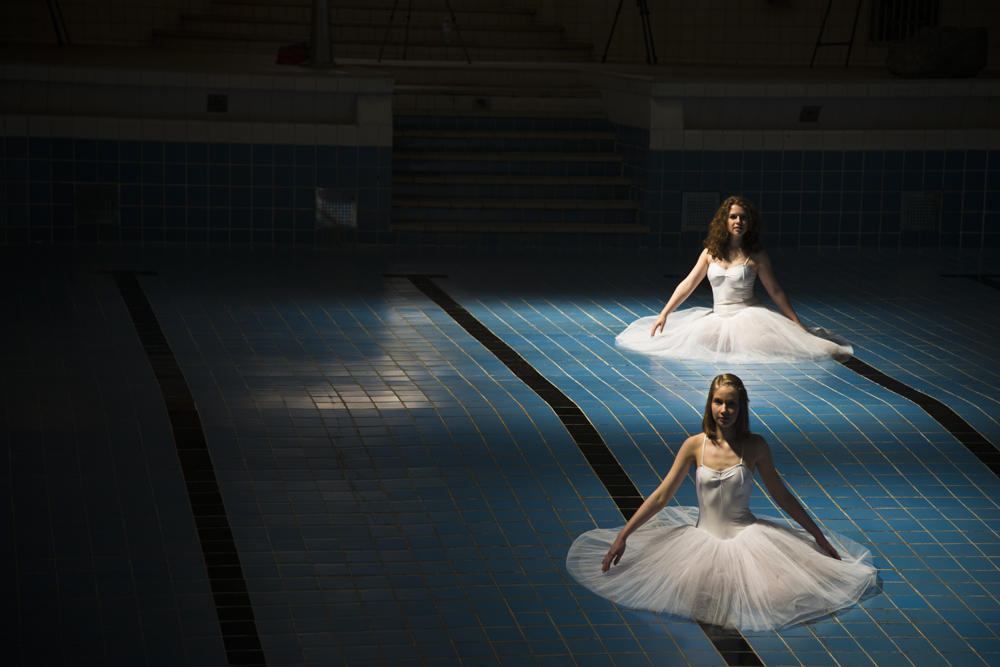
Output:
x,y
591,444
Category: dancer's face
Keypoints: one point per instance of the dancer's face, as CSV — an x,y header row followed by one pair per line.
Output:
x,y
738,222
725,406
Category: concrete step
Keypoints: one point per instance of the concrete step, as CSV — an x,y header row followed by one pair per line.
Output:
x,y
525,123
481,13
426,209
502,191
529,34
400,5
496,142
575,93
460,75
414,100
472,156
370,49
517,227
505,135
521,204
508,164
485,111
467,179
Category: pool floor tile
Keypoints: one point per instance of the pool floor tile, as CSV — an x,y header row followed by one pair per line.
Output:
x,y
397,495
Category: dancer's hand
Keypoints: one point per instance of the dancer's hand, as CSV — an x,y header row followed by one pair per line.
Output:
x,y
827,547
660,322
614,554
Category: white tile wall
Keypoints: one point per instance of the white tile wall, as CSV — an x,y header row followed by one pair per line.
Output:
x,y
119,99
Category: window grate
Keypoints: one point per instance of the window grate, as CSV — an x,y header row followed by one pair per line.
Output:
x,y
893,20
697,209
336,208
96,204
921,212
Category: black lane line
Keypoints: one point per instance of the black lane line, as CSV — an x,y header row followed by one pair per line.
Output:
x,y
973,440
962,431
222,562
987,280
729,643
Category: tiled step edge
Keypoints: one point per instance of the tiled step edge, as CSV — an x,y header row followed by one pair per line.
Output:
x,y
230,19
497,8
463,179
529,204
466,156
496,91
567,135
218,34
517,227
498,113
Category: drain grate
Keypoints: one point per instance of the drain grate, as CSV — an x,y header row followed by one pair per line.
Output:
x,y
921,212
697,209
96,204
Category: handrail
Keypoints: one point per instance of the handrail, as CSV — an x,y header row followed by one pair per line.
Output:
x,y
57,21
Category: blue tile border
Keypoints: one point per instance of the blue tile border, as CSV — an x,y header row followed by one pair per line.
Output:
x,y
174,191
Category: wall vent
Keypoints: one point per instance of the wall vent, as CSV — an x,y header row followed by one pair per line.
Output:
x,y
336,208
892,20
809,114
697,209
921,212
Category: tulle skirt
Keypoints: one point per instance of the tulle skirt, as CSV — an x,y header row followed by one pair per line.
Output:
x,y
755,334
769,576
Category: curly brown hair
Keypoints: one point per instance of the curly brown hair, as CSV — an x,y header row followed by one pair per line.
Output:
x,y
742,419
717,241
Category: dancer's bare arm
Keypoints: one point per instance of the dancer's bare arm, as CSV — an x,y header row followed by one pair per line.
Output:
x,y
683,290
657,500
761,263
784,498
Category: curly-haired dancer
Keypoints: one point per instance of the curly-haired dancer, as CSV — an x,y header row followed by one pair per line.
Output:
x,y
739,328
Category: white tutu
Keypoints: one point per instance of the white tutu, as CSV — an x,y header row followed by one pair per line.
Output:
x,y
755,334
738,329
768,576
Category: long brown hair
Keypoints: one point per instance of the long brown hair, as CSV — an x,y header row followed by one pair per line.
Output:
x,y
717,241
742,419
